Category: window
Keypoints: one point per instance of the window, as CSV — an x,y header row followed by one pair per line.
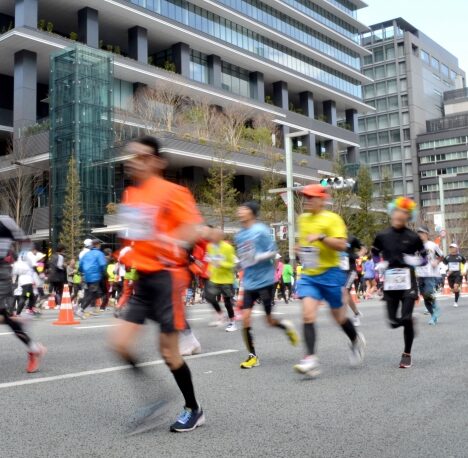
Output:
x,y
391,86
403,85
408,170
363,157
398,187
378,54
376,189
401,50
369,72
381,105
437,77
383,121
390,52
362,125
444,70
375,173
371,123
380,89
372,140
434,63
395,135
397,170
409,187
402,68
393,103
394,119
391,70
406,135
383,137
369,91
437,92
367,60
395,153
405,118
407,152
425,56
385,155
379,72
363,141
404,101
453,75
373,156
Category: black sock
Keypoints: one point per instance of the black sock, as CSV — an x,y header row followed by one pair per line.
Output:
x,y
349,330
248,340
183,378
457,295
309,337
408,334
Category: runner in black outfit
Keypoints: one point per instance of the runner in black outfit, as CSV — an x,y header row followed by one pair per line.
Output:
x,y
454,261
9,233
348,264
402,250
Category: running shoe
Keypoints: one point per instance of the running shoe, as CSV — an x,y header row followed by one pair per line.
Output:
x,y
455,304
426,312
291,332
357,350
189,344
432,321
216,323
34,358
405,362
80,314
436,312
356,321
231,327
308,366
188,420
251,361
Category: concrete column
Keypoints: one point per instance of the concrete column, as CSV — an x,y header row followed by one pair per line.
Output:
x,y
307,104
25,89
331,147
257,86
181,57
352,154
26,14
138,44
352,119
88,27
214,71
329,110
281,94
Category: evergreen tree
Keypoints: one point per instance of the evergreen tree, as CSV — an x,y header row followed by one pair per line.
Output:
x,y
72,220
365,218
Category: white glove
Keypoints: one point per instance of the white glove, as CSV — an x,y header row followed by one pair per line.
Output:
x,y
382,266
412,260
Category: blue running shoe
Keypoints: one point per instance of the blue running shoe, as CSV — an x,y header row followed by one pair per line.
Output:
x,y
188,420
436,315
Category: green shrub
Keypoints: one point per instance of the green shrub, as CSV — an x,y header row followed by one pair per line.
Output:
x,y
73,36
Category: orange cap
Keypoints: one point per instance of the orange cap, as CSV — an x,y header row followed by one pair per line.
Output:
x,y
315,190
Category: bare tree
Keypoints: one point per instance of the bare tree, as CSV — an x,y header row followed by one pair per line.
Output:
x,y
230,124
17,196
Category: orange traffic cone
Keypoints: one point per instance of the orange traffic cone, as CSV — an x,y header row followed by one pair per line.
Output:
x,y
464,286
66,310
51,302
447,291
354,296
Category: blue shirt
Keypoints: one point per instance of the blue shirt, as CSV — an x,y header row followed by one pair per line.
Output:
x,y
93,265
250,242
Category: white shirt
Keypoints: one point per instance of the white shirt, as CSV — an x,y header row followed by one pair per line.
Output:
x,y
24,272
83,252
431,269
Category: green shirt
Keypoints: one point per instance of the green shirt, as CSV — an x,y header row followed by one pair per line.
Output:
x,y
288,273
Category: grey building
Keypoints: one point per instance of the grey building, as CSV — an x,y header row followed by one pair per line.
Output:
x,y
296,60
443,157
410,72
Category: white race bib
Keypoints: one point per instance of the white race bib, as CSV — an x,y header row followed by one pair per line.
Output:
x,y
454,266
344,261
309,256
397,280
246,254
138,221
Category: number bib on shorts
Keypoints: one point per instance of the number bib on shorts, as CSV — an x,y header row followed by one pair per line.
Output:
x,y
309,256
397,280
246,254
454,266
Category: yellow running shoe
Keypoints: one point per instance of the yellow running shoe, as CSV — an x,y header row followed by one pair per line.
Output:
x,y
291,332
251,361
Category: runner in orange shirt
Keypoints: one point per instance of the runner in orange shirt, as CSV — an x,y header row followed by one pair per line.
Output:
x,y
162,222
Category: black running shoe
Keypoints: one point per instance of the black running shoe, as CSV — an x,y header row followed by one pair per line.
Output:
x,y
405,362
188,420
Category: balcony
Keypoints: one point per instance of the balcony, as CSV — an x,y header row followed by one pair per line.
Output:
x,y
447,123
450,96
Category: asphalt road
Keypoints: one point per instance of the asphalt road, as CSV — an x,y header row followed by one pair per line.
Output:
x,y
78,408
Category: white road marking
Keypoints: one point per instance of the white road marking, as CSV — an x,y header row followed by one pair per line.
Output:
x,y
95,326
195,319
104,371
6,333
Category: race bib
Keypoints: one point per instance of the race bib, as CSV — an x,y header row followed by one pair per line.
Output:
x,y
344,261
138,221
309,257
454,266
246,254
397,280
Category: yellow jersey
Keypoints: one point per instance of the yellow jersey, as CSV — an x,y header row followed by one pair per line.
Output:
x,y
221,261
316,257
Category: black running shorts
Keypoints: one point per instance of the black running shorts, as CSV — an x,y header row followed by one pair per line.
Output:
x,y
454,279
264,294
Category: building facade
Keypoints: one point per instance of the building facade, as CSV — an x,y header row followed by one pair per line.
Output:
x,y
298,61
410,72
443,159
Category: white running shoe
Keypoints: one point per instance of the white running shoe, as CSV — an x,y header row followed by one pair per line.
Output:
x,y
356,321
455,304
189,344
357,350
308,366
231,327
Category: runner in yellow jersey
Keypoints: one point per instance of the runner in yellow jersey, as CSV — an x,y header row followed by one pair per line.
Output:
x,y
322,236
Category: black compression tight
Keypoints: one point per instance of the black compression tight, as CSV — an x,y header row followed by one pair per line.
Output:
x,y
16,327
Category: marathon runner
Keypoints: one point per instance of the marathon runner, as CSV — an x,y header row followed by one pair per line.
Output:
x,y
9,233
454,262
256,252
322,236
161,221
348,264
429,275
402,250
